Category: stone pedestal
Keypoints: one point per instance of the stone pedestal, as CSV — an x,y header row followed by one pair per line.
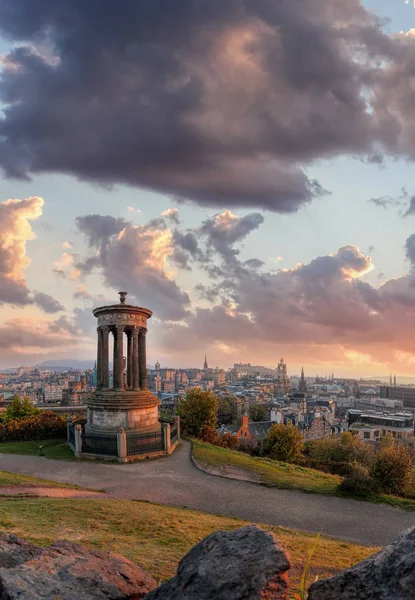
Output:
x,y
135,411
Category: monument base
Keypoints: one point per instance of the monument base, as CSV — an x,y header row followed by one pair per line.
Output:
x,y
135,411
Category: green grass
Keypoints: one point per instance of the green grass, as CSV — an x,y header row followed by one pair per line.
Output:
x,y
12,479
155,536
286,476
56,449
274,473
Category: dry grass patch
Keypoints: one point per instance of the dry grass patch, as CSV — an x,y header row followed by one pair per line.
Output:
x,y
156,536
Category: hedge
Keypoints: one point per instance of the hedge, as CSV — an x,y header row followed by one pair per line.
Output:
x,y
44,426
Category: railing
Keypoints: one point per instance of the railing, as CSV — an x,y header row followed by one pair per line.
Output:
x,y
100,444
173,433
141,443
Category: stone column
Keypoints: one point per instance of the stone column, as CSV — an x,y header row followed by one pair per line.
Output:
x,y
118,359
78,440
130,360
99,358
105,377
177,422
167,441
136,371
142,359
122,445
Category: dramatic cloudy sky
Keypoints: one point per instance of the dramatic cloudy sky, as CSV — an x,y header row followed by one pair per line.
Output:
x,y
244,168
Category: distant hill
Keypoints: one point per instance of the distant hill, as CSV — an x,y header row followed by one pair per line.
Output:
x,y
67,363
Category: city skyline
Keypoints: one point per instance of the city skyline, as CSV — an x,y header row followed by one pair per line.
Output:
x,y
248,234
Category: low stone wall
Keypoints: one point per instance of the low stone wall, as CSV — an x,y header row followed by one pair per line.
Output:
x,y
245,564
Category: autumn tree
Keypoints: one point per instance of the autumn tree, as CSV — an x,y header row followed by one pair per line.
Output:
x,y
197,410
284,442
258,412
392,469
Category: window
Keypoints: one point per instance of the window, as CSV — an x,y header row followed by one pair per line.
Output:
x,y
366,435
376,433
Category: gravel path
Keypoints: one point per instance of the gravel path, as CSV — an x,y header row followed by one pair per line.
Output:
x,y
177,481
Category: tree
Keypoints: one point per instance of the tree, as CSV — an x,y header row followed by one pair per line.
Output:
x,y
21,409
339,454
392,469
258,412
284,442
229,441
209,435
196,410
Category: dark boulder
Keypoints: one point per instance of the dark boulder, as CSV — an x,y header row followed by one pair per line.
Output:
x,y
14,551
387,575
68,571
248,563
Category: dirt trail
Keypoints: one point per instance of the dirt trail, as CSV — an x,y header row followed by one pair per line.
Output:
x,y
44,491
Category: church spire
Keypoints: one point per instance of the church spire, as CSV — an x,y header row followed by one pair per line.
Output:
x,y
205,365
302,387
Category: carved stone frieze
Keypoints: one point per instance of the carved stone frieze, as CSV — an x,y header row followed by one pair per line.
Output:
x,y
125,319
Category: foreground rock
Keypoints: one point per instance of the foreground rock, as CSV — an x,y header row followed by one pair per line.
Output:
x,y
14,551
387,575
248,563
68,571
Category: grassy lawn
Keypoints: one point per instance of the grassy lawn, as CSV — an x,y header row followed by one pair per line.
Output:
x,y
283,475
274,473
156,536
11,479
51,449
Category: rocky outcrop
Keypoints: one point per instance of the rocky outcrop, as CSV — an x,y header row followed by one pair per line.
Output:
x,y
248,563
387,575
245,564
68,571
14,551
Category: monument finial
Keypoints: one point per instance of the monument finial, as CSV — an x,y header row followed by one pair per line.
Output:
x,y
122,296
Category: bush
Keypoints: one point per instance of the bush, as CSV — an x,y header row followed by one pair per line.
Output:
x,y
229,441
284,442
339,455
392,469
359,482
209,435
43,426
196,410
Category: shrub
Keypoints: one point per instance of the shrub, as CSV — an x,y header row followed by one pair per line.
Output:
x,y
20,409
43,426
196,410
284,442
359,482
339,455
209,435
392,469
229,441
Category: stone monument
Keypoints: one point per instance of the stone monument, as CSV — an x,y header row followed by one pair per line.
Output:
x,y
127,404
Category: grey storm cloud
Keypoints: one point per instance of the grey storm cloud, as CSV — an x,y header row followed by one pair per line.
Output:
x,y
98,229
133,258
223,103
223,231
47,303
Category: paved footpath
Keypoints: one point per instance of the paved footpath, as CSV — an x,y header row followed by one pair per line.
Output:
x,y
177,481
